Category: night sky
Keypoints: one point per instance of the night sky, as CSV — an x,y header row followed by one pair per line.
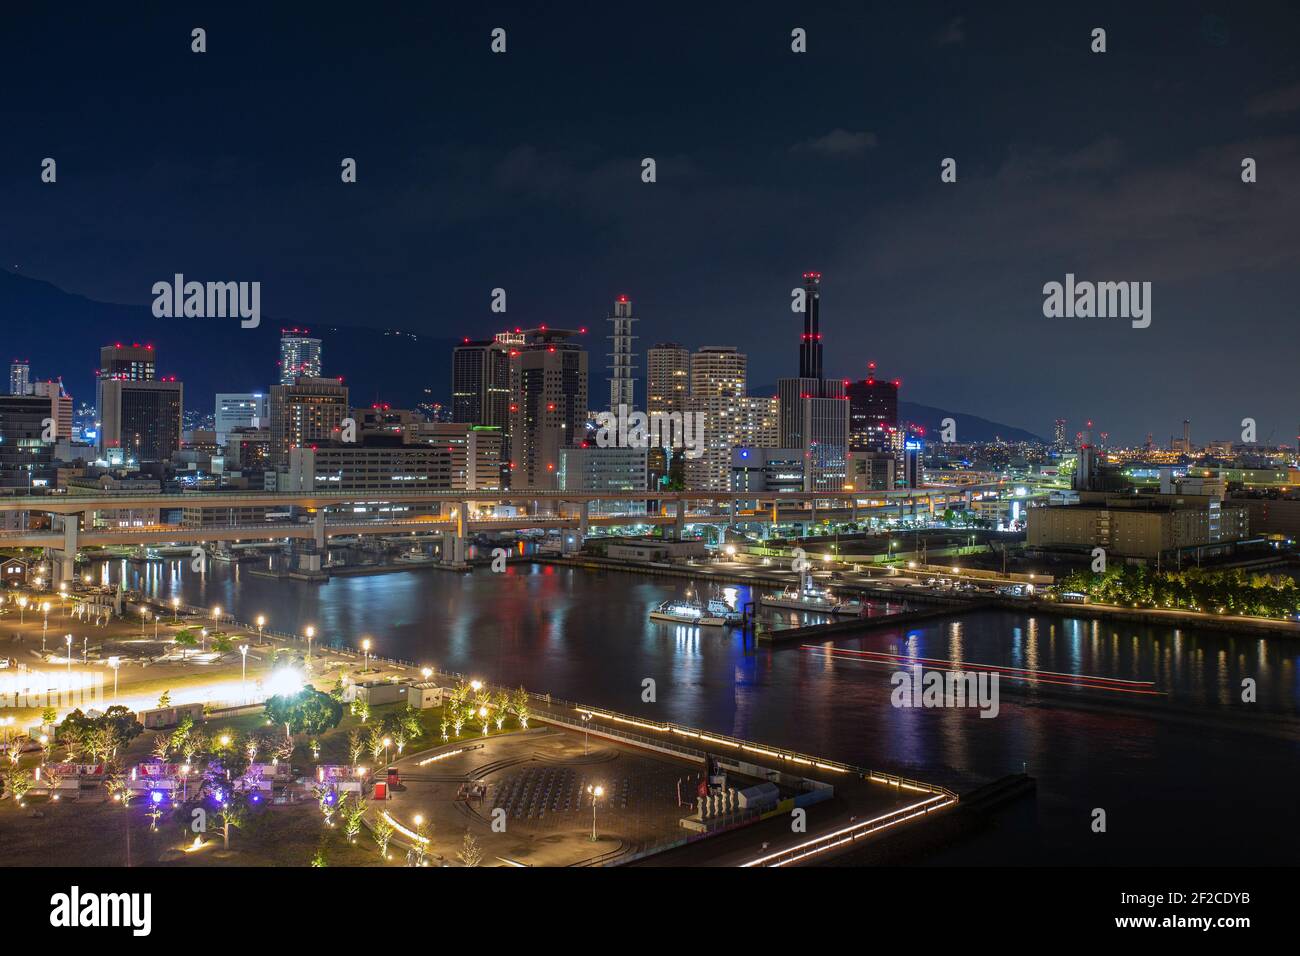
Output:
x,y
523,171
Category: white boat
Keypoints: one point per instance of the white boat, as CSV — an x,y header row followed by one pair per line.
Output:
x,y
686,612
808,596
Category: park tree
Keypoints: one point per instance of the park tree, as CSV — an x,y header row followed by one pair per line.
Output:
x,y
471,853
501,708
356,745
519,704
383,833
17,782
352,811
232,814
409,719
307,712
185,639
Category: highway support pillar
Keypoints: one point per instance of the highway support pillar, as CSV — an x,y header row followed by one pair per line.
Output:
x,y
64,560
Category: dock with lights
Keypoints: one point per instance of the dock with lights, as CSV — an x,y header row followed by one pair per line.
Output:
x,y
781,791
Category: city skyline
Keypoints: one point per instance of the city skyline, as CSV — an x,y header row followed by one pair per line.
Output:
x,y
942,280
1273,428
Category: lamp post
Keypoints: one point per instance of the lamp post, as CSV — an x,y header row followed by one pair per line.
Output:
x,y
365,659
45,624
243,672
388,742
115,663
596,793
68,641
176,609
586,719
22,609
261,622
310,632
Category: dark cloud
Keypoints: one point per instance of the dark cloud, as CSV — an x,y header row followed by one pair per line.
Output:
x,y
953,33
838,142
1274,102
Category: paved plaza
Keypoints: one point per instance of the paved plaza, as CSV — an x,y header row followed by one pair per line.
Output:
x,y
538,779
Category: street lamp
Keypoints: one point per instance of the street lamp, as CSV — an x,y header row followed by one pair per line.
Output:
x,y
22,609
311,632
586,718
261,621
45,624
596,793
115,663
365,651
388,742
68,640
243,671
176,609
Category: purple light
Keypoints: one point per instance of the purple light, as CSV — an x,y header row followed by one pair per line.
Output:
x,y
156,796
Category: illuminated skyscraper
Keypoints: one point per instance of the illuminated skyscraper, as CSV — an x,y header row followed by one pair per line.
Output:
x,y
622,359
20,376
480,383
548,405
299,355
873,412
668,378
810,346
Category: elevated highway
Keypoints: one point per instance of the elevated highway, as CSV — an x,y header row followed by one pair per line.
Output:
x,y
71,526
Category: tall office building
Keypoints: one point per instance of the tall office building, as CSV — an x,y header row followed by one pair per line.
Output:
x,y
824,433
240,410
140,419
60,405
913,448
730,422
873,412
308,411
814,412
548,405
20,376
810,346
668,377
299,355
480,382
140,416
1059,441
718,371
128,363
622,359
25,457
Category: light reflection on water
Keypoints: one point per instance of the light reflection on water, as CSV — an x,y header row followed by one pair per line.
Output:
x,y
1166,764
